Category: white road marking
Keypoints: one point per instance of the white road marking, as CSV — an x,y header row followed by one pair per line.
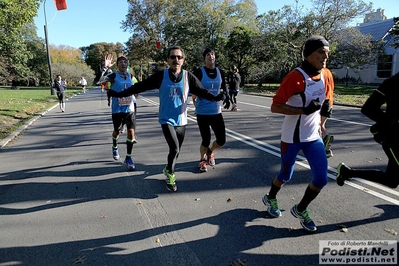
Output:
x,y
273,150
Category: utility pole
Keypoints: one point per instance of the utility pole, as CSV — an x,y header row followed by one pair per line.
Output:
x,y
60,5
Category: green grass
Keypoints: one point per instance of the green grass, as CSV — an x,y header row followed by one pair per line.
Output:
x,y
18,106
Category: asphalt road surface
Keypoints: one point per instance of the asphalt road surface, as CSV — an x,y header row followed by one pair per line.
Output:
x,y
65,201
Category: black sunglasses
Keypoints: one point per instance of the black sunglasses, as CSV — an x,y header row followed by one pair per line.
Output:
x,y
176,56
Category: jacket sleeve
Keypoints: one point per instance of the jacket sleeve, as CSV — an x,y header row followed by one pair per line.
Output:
x,y
152,82
327,107
372,107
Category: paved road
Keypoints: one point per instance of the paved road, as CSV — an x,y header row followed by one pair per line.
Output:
x,y
65,201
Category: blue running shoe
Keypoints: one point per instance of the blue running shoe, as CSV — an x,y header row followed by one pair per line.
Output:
x,y
306,222
272,207
115,154
130,163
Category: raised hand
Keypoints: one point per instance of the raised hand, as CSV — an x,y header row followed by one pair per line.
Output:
x,y
108,61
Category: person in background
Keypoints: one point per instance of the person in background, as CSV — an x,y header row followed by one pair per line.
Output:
x,y
123,109
83,83
65,83
234,80
60,88
174,85
385,132
209,113
305,98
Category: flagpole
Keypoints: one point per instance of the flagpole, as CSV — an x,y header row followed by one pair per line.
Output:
x,y
52,92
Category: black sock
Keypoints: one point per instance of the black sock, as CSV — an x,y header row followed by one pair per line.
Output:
x,y
273,191
129,146
114,142
310,195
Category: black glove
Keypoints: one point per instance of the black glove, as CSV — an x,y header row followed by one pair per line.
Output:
x,y
220,97
313,106
226,102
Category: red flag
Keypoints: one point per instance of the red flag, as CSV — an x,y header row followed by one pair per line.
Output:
x,y
60,4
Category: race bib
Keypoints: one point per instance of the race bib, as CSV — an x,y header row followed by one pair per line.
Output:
x,y
125,101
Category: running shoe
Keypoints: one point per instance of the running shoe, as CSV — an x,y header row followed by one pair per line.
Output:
x,y
210,159
202,166
234,107
341,176
115,154
306,222
327,140
272,207
170,180
134,141
130,164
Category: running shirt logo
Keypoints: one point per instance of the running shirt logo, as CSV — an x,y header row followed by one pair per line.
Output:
x,y
174,92
319,92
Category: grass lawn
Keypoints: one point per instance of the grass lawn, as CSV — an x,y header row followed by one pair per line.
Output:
x,y
19,106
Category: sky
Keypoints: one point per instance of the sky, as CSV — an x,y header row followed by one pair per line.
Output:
x,y
85,22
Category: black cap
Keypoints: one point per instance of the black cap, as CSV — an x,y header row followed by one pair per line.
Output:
x,y
207,50
314,43
121,58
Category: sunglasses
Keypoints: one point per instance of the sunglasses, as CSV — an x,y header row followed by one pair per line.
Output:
x,y
179,57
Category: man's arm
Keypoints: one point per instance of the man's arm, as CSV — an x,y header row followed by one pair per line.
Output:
x,y
285,109
195,87
105,76
152,82
372,106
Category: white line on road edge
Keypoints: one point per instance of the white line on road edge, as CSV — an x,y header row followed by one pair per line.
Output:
x,y
302,161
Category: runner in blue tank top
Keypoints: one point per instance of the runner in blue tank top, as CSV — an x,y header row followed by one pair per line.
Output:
x,y
209,114
123,109
173,84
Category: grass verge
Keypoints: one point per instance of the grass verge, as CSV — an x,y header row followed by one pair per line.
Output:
x,y
19,106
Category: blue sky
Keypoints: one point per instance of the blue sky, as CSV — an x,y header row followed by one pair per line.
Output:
x,y
85,22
